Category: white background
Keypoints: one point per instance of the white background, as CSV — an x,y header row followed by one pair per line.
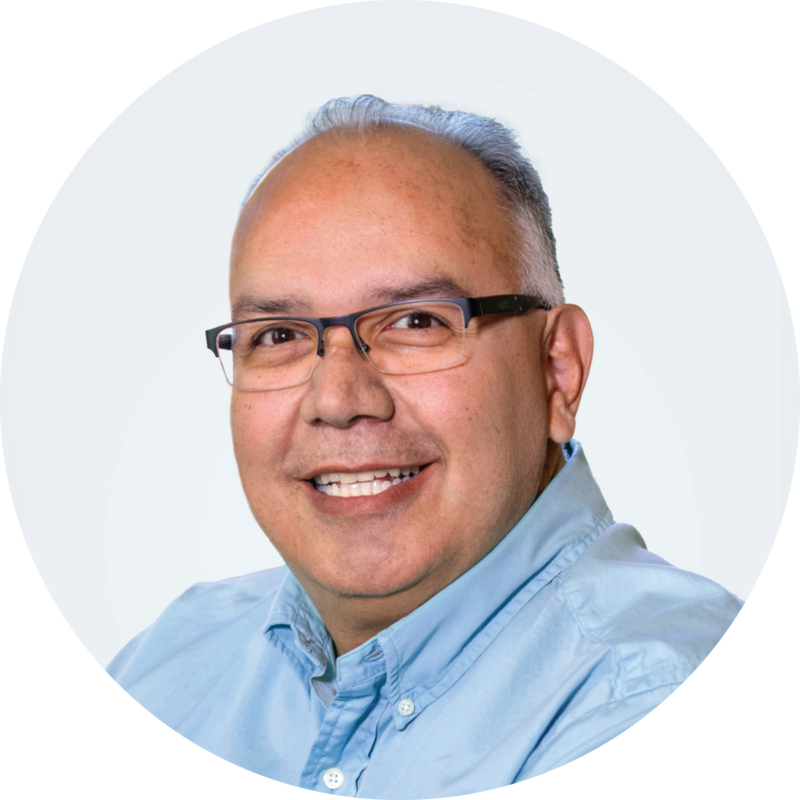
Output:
x,y
117,438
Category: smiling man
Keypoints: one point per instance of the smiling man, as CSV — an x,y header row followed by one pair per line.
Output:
x,y
458,610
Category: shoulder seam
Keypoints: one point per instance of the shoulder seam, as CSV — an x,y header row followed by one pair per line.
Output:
x,y
581,627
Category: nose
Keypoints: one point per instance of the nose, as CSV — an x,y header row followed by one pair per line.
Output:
x,y
345,388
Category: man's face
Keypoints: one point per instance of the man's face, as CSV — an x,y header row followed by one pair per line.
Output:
x,y
343,225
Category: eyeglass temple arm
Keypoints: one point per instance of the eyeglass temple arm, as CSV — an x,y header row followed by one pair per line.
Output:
x,y
506,304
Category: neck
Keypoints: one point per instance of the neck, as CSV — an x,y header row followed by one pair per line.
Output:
x,y
553,462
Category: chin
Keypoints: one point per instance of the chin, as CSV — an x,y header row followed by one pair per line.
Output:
x,y
371,583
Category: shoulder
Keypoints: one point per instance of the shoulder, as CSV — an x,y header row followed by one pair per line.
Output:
x,y
205,616
662,621
231,596
641,627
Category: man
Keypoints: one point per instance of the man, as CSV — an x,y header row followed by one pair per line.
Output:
x,y
460,611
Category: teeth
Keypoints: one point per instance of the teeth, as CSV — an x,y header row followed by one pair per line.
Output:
x,y
355,489
362,484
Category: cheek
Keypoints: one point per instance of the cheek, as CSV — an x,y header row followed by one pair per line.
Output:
x,y
261,427
517,403
488,417
441,404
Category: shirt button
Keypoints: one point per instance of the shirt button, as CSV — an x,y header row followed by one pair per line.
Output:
x,y
333,778
405,707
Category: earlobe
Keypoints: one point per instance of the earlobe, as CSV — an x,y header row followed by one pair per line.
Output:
x,y
567,354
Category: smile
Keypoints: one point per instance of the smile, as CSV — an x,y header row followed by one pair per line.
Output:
x,y
362,484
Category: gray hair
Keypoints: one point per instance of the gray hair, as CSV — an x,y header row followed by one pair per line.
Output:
x,y
491,142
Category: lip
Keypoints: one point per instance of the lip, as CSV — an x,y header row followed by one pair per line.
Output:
x,y
372,504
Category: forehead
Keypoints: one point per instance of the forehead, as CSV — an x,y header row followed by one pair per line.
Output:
x,y
343,220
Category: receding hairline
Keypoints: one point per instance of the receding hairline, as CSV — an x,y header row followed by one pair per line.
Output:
x,y
390,130
329,145
517,188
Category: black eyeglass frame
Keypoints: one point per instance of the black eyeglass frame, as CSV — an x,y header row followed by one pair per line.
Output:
x,y
471,307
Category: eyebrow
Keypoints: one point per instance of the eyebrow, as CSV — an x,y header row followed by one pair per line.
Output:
x,y
432,287
251,305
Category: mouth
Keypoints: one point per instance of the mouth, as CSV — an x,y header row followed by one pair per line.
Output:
x,y
365,483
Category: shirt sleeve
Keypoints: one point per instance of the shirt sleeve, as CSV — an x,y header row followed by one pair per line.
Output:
x,y
568,739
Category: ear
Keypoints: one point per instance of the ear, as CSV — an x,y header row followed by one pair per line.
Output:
x,y
567,355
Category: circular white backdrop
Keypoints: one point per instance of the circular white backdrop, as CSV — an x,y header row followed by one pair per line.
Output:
x,y
118,449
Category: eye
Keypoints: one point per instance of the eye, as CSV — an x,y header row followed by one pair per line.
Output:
x,y
279,335
417,320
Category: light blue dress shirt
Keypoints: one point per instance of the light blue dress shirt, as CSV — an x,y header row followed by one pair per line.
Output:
x,y
563,636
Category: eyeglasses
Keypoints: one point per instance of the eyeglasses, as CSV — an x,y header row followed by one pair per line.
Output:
x,y
406,338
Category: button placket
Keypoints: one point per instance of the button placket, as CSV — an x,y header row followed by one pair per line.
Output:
x,y
341,751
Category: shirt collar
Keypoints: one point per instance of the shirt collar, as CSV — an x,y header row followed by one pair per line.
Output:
x,y
426,652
